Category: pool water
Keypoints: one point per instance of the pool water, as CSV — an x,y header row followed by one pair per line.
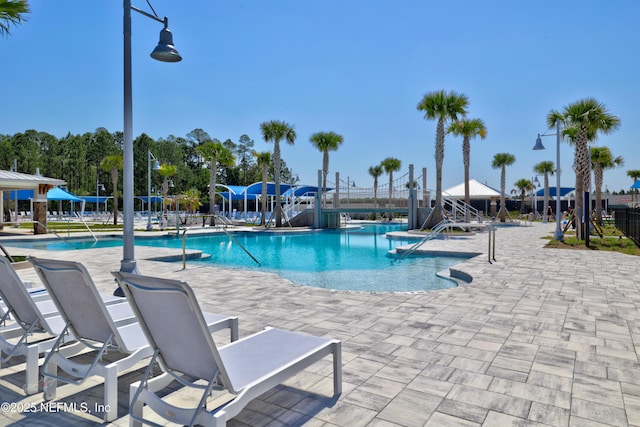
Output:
x,y
353,259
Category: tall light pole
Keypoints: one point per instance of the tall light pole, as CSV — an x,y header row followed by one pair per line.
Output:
x,y
559,235
156,166
165,52
99,187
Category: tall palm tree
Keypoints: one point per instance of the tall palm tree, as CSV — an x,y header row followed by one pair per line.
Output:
x,y
524,186
501,161
391,165
601,160
375,172
325,142
582,121
214,153
467,128
276,131
113,164
264,161
441,106
12,12
634,174
545,168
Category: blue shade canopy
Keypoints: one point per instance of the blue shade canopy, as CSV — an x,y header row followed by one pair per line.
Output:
x,y
92,199
636,184
552,191
154,199
237,192
56,193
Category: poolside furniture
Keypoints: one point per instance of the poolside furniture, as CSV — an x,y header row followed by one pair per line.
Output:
x,y
98,329
37,323
186,352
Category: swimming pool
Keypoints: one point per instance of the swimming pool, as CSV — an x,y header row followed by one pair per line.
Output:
x,y
352,259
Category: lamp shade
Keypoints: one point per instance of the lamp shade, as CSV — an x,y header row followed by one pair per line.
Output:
x,y
166,51
538,145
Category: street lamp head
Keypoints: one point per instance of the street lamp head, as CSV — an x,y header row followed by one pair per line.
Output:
x,y
166,51
538,145
156,165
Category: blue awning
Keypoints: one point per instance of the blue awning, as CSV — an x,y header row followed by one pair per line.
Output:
x,y
92,199
56,193
552,191
237,192
154,199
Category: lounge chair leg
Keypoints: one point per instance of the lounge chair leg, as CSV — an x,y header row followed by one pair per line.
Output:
x,y
234,329
337,368
31,386
111,393
50,384
135,408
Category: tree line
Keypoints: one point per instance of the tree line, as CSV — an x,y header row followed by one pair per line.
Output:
x,y
80,160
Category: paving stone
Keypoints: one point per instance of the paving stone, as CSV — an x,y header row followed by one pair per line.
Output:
x,y
539,337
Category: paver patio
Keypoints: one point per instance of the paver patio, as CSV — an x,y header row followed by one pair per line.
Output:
x,y
540,337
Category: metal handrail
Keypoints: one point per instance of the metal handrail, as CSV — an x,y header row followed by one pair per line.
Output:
x,y
233,239
52,231
432,234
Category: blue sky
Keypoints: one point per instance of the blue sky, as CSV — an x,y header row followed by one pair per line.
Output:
x,y
355,67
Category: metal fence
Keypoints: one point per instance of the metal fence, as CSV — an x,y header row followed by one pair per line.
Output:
x,y
628,221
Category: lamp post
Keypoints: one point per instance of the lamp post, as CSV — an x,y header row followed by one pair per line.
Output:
x,y
165,52
99,186
156,166
559,235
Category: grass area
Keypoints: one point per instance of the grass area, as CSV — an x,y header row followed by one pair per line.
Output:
x,y
612,240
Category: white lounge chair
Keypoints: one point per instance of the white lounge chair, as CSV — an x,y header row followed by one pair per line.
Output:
x,y
96,328
36,324
186,352
36,319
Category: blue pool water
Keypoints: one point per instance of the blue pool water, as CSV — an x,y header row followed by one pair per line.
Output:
x,y
354,259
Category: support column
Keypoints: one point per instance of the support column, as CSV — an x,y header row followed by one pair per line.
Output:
x,y
336,194
411,202
40,209
317,220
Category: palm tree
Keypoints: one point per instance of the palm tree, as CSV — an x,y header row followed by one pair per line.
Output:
x,y
264,160
113,164
545,168
441,106
467,128
214,153
325,142
634,174
391,165
524,186
375,172
191,200
601,160
12,12
166,171
276,131
582,121
501,161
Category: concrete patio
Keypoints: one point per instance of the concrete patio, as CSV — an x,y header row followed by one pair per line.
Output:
x,y
540,337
